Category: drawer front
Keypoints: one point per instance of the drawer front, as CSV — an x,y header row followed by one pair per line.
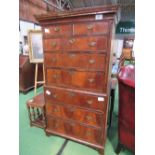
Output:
x,y
74,113
69,97
90,28
76,79
57,30
73,60
74,129
76,44
87,43
53,44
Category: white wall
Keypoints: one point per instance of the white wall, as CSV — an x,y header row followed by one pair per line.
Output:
x,y
119,47
25,27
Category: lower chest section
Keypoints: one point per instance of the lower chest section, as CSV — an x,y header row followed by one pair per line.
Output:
x,y
76,114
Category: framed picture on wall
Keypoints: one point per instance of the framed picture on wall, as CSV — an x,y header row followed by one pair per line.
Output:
x,y
35,46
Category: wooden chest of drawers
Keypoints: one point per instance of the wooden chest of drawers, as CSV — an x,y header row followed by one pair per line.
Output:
x,y
77,56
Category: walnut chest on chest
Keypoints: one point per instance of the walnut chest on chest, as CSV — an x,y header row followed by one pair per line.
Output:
x,y
77,56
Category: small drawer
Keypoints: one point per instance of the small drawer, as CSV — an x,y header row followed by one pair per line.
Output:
x,y
76,130
53,44
91,28
57,30
75,114
69,97
95,62
76,79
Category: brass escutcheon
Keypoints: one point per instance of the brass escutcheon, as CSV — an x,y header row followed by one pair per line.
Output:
x,y
90,102
91,80
56,110
57,29
92,44
54,44
72,124
88,118
90,27
72,109
72,55
71,94
88,133
53,59
55,76
56,125
91,61
54,96
71,41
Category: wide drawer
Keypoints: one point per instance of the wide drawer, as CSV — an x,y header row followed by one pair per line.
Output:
x,y
76,79
76,60
57,30
76,44
77,98
87,28
75,130
74,113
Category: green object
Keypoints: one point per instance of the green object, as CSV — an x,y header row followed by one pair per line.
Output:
x,y
33,140
125,27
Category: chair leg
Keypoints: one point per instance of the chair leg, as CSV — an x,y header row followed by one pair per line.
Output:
x,y
29,113
118,148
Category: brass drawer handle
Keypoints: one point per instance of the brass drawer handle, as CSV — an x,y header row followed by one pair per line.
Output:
x,y
72,109
54,44
91,61
55,76
92,44
71,72
54,95
71,94
72,55
88,118
89,102
71,41
72,124
53,59
56,125
56,110
91,80
57,29
90,27
88,133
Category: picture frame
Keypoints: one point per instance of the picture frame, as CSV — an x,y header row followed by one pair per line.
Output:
x,y
35,46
